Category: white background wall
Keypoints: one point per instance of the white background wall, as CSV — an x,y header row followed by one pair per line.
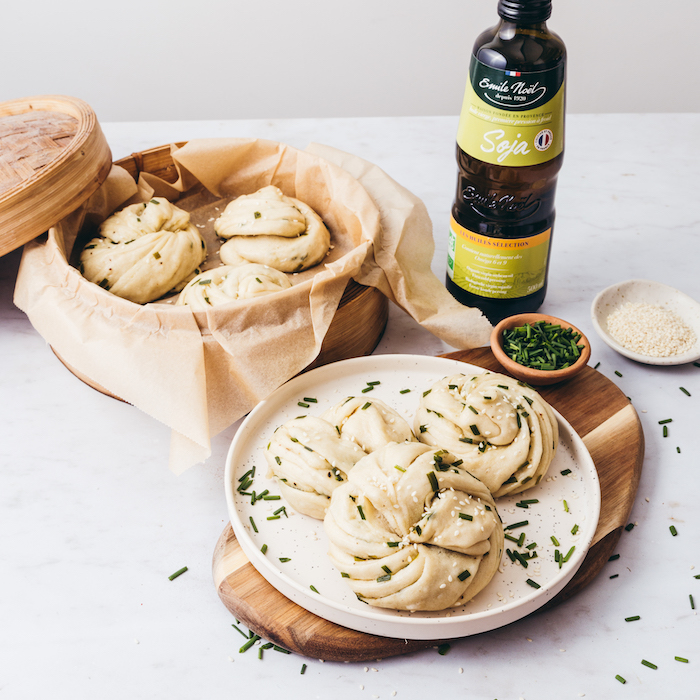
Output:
x,y
142,60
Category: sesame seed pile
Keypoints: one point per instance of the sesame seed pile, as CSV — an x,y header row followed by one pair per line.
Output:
x,y
650,330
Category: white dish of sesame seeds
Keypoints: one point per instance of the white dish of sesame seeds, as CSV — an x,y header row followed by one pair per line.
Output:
x,y
648,322
290,550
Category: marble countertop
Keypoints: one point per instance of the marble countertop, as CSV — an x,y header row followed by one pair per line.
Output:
x,y
92,522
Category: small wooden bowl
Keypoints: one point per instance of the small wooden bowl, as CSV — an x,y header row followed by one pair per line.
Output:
x,y
536,377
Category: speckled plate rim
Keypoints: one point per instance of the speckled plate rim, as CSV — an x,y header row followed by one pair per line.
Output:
x,y
389,623
647,292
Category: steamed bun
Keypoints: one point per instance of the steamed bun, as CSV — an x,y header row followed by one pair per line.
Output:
x,y
411,529
145,250
272,229
503,430
224,284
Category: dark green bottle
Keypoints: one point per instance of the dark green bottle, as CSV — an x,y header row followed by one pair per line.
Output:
x,y
510,147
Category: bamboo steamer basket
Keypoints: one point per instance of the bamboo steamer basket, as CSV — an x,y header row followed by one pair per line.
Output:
x,y
53,156
362,314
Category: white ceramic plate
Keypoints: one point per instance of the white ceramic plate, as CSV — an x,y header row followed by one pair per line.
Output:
x,y
302,540
656,294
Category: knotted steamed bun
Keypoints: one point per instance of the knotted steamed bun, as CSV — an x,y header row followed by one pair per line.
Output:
x,y
272,229
310,459
312,456
144,251
504,431
368,422
413,530
224,284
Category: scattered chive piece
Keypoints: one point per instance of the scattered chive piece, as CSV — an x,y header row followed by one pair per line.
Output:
x,y
473,410
613,557
270,497
692,602
684,390
374,383
619,374
696,576
673,530
464,575
568,555
239,630
361,512
532,545
443,649
649,664
678,449
532,583
252,522
303,668
566,506
263,549
302,404
425,393
574,529
667,420
614,575
280,649
565,472
366,406
681,659
629,527
313,588
384,578
433,481
665,431
249,643
597,365
555,541
522,523
392,544
466,516
367,388
520,558
285,559
310,399
273,517
633,618
621,679
510,537
404,391
177,573
401,469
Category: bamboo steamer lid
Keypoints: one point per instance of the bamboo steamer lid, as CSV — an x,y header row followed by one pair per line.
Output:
x,y
53,156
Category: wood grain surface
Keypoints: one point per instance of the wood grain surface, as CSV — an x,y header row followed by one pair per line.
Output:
x,y
609,426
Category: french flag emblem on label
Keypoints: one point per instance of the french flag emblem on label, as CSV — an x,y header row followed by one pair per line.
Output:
x,y
512,73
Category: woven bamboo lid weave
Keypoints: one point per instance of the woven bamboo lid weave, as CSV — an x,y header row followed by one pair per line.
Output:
x,y
53,156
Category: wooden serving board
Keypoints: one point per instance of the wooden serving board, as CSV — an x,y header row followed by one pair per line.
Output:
x,y
609,426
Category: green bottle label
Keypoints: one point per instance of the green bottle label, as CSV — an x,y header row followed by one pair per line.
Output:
x,y
512,118
497,268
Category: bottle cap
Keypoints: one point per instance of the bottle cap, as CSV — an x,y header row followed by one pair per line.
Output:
x,y
525,11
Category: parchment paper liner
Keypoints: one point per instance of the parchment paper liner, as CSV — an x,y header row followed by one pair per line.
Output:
x,y
200,372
